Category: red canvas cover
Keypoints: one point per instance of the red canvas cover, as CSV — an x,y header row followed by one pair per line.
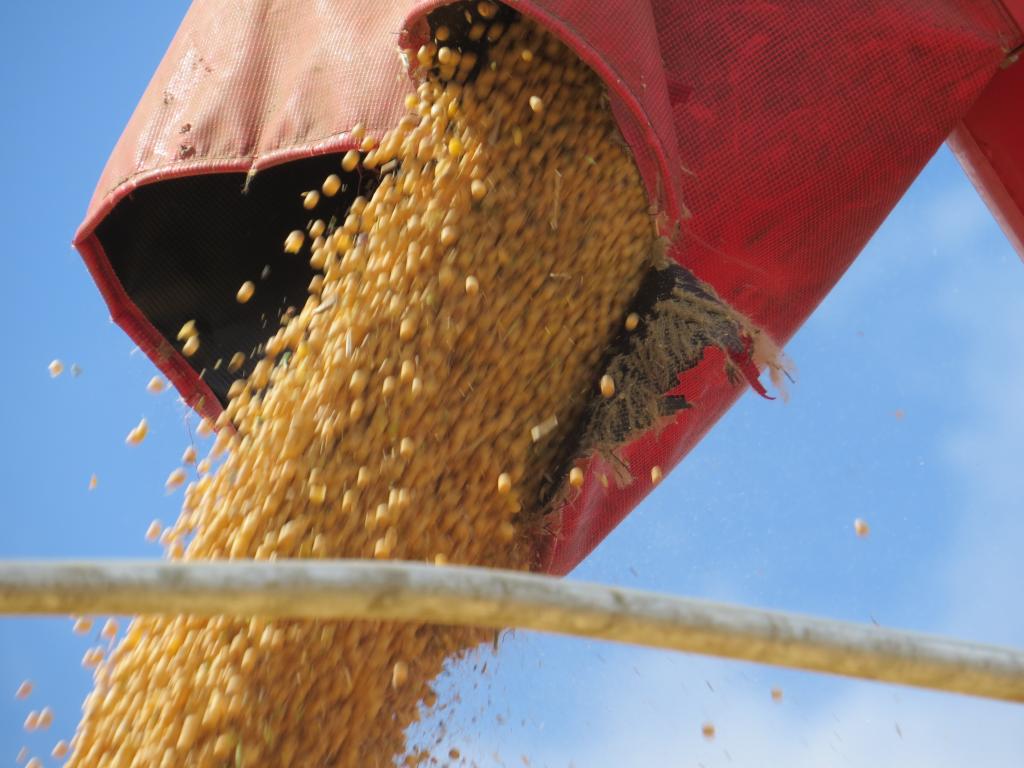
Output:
x,y
777,134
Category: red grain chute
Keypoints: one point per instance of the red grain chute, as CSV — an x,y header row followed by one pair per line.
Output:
x,y
779,135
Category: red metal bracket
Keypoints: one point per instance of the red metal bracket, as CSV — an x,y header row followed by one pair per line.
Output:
x,y
989,142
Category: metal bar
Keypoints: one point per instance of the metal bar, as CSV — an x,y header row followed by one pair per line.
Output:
x,y
354,589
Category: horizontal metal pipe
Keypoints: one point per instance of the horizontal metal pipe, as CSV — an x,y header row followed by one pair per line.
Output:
x,y
355,589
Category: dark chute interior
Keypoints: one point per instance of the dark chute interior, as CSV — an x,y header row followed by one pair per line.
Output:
x,y
182,247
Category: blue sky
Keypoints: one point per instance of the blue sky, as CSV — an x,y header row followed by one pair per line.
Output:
x,y
929,322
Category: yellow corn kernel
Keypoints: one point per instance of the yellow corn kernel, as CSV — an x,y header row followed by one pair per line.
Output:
x,y
82,625
109,631
331,185
138,433
399,674
350,161
191,346
317,493
293,243
188,330
245,292
176,479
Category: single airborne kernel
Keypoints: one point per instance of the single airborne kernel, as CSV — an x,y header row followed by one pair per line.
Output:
x,y
176,479
399,674
245,292
350,161
607,386
191,346
109,631
331,185
188,330
56,368
82,625
138,433
293,243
